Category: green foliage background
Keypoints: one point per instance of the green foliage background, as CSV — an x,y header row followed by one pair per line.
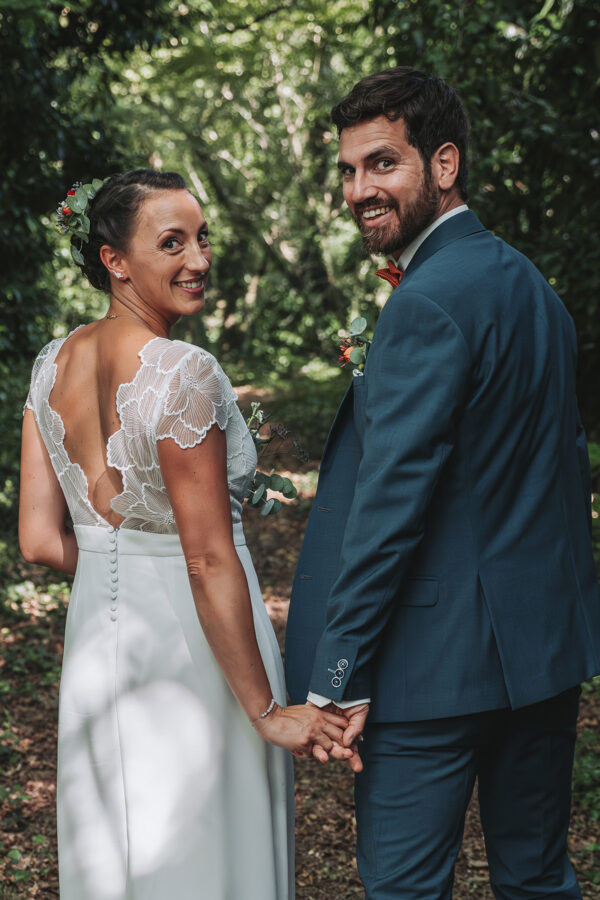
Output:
x,y
236,97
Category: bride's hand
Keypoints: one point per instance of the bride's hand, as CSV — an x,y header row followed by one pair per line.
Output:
x,y
298,728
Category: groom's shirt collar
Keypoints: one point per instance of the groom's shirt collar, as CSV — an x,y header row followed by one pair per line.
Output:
x,y
406,256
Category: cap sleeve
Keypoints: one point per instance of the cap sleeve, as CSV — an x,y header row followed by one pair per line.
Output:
x,y
41,358
197,396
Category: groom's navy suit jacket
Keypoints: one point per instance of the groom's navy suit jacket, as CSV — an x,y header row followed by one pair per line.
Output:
x,y
447,565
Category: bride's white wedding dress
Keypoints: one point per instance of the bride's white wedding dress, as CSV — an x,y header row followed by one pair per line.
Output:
x,y
165,792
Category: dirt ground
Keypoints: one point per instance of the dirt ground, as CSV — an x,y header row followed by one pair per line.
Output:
x,y
324,794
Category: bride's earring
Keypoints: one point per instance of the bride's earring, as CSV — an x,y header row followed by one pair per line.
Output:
x,y
117,274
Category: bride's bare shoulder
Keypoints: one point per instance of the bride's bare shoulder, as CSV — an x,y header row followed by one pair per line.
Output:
x,y
120,346
115,351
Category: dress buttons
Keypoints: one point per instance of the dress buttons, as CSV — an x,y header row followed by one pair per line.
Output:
x,y
342,663
336,682
114,574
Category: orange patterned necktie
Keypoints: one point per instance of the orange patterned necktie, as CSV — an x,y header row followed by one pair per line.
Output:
x,y
392,274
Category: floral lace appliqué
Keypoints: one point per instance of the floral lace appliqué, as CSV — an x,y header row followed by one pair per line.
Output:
x,y
70,475
178,392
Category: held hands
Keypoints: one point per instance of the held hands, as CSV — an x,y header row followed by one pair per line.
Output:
x,y
306,730
346,750
318,732
356,717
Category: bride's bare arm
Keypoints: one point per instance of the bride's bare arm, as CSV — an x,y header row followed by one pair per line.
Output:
x,y
43,535
196,482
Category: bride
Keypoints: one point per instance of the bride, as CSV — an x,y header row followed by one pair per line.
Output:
x,y
172,777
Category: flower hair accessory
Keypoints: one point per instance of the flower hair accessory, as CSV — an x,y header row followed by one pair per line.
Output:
x,y
72,218
354,347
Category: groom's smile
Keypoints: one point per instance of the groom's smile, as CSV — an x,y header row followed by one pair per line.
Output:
x,y
373,217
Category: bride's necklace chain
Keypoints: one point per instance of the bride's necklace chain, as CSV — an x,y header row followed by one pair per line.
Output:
x,y
127,316
122,316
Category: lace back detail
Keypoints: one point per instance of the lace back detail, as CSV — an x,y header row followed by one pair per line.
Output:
x,y
70,475
179,392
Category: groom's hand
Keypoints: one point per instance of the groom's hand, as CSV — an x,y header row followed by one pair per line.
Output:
x,y
356,716
347,751
336,750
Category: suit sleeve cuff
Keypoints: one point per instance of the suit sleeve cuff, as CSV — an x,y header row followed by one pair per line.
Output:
x,y
333,673
320,701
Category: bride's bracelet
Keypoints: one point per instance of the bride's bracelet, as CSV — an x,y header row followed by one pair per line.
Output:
x,y
268,710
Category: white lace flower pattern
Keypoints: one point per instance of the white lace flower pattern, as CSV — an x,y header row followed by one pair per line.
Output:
x,y
178,392
70,475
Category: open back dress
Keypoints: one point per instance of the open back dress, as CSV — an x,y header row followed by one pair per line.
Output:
x,y
165,791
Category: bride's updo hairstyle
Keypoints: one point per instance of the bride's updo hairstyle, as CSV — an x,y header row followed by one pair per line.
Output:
x,y
113,213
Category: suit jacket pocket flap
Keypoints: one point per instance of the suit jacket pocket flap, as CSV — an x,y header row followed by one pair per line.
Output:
x,y
419,592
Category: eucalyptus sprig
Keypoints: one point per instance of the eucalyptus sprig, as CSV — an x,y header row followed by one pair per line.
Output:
x,y
263,434
72,215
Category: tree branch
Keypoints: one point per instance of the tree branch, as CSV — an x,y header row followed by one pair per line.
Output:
x,y
231,29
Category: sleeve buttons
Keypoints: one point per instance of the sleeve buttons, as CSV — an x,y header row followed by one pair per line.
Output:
x,y
339,672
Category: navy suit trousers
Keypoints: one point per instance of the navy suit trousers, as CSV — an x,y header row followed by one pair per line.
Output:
x,y
416,785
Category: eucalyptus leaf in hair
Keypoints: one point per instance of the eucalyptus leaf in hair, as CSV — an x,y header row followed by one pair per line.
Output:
x,y
72,214
77,256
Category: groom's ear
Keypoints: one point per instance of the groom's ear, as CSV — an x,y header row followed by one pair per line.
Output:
x,y
444,166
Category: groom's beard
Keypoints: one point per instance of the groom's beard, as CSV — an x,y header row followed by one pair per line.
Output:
x,y
407,223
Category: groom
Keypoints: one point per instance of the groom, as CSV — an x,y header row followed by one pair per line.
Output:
x,y
446,584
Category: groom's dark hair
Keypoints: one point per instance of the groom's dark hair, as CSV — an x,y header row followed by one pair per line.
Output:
x,y
431,110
